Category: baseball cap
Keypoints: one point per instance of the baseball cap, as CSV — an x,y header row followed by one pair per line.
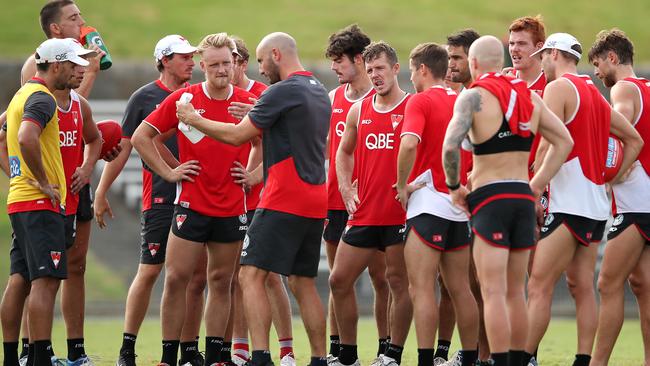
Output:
x,y
172,44
61,50
562,42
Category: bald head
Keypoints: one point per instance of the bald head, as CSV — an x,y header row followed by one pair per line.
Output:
x,y
280,41
277,55
486,55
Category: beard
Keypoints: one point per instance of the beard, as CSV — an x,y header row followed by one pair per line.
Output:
x,y
273,74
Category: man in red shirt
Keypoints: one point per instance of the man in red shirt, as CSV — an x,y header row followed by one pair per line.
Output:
x,y
209,204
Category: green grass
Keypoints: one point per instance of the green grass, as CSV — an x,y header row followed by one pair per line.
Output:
x,y
131,28
103,339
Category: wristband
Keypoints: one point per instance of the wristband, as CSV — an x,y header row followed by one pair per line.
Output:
x,y
452,187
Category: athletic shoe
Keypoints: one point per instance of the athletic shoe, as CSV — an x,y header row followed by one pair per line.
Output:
x,y
81,361
532,362
288,360
239,360
331,360
23,361
438,361
57,361
382,360
338,363
198,360
126,358
484,363
455,360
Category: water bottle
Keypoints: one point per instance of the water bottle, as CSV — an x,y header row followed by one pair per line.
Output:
x,y
89,35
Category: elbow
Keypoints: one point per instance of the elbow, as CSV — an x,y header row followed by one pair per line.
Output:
x,y
137,140
25,140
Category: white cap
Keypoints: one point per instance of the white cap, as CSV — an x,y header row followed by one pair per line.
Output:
x,y
562,42
172,44
61,50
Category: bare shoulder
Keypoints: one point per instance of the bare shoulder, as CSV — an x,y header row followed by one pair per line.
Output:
x,y
331,94
470,100
559,85
28,70
624,89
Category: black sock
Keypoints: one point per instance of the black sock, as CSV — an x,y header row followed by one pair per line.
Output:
x,y
213,347
30,355
527,357
42,350
11,353
128,342
226,356
170,352
582,360
469,357
348,354
425,356
443,349
188,351
500,359
335,345
318,361
383,344
25,348
260,358
535,354
75,348
395,352
516,357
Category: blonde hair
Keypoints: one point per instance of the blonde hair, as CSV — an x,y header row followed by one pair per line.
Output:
x,y
216,40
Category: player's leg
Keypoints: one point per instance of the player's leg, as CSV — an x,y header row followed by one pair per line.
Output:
x,y
281,317
640,284
377,272
516,302
194,299
618,263
11,311
446,324
335,340
240,347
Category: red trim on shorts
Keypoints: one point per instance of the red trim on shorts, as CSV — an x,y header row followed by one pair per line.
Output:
x,y
578,238
458,248
641,232
501,246
528,247
503,196
426,242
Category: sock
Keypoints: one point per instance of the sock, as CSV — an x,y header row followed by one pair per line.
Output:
x,y
11,353
535,354
225,352
383,344
335,345
30,355
516,357
25,348
527,357
582,360
286,347
128,342
170,352
188,351
348,354
500,359
42,351
213,347
75,348
260,358
395,352
196,343
469,357
318,361
442,350
425,356
240,348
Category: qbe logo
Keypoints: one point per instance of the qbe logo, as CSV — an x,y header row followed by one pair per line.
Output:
x,y
380,141
14,167
339,128
68,138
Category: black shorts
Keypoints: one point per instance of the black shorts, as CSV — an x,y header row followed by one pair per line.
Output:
x,y
283,243
623,221
503,215
154,231
378,237
191,225
85,210
335,225
70,230
438,233
249,216
38,245
583,229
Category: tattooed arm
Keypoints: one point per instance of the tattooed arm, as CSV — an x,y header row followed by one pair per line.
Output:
x,y
467,104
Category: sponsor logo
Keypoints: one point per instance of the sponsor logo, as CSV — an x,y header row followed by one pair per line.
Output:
x,y
200,111
243,218
67,138
339,128
436,238
184,204
56,258
154,248
97,40
243,228
613,229
14,167
549,219
158,200
245,246
504,134
544,201
337,110
366,121
61,57
75,117
617,220
402,230
396,119
380,141
497,236
589,235
180,219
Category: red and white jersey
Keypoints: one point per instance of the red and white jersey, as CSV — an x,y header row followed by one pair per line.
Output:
x,y
375,160
213,192
578,188
341,105
538,87
633,194
71,143
427,116
253,197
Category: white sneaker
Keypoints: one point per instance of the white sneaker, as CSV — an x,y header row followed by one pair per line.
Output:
x,y
455,360
239,360
382,360
438,361
336,362
288,360
331,360
532,362
22,361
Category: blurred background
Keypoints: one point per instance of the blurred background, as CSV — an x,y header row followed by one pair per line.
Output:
x,y
130,30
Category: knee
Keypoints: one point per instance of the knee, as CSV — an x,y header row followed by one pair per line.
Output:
x,y
640,286
340,284
580,285
220,280
175,278
298,285
273,282
539,289
250,276
397,281
607,284
77,266
490,291
379,282
197,284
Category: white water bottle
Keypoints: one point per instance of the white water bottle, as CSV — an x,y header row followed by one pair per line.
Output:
x,y
190,132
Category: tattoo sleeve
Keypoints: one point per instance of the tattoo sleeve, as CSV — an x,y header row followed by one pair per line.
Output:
x,y
466,105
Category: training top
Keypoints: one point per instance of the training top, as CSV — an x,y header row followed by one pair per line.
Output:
x,y
253,197
71,141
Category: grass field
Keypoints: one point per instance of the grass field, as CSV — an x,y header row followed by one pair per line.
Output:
x,y
131,28
103,339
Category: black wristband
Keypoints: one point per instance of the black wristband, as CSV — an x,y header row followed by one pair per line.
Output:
x,y
452,187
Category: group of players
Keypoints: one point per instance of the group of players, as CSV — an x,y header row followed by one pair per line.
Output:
x,y
521,151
